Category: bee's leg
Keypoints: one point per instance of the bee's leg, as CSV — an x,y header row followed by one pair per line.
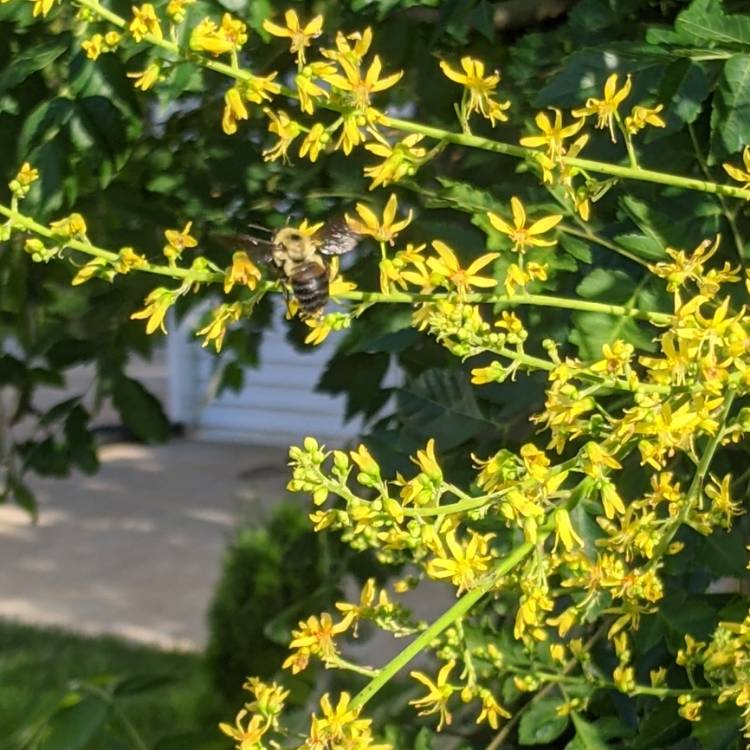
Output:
x,y
290,301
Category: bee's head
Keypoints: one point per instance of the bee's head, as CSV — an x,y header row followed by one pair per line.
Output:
x,y
296,245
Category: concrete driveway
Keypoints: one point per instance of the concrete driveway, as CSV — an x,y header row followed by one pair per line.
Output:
x,y
135,550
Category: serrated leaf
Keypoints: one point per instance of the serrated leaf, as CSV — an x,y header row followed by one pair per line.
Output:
x,y
730,118
686,85
644,247
592,330
705,23
441,404
576,247
540,723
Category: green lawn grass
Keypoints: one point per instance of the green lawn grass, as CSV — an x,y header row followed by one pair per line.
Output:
x,y
39,665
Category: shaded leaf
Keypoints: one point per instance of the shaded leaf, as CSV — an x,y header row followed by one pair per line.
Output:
x,y
441,404
139,410
540,723
730,119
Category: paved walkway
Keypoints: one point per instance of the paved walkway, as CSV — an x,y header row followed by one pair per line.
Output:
x,y
135,550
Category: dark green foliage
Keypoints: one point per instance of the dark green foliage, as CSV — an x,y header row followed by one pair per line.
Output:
x,y
273,577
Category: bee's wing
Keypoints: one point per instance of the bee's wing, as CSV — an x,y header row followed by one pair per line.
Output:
x,y
336,238
259,249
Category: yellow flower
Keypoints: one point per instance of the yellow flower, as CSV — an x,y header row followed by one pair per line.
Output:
x,y
316,635
234,110
98,44
642,116
308,89
218,40
353,53
248,736
216,329
479,87
299,36
552,135
737,174
689,709
340,728
145,22
722,504
177,242
315,142
522,235
495,373
383,231
427,462
24,179
286,129
146,78
71,226
360,87
564,530
98,267
176,9
158,303
438,695
259,89
605,109
392,269
448,268
242,271
42,7
464,564
400,160
516,277
351,134
93,47
128,260
491,710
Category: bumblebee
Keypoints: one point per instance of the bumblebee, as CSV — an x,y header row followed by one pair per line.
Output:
x,y
302,261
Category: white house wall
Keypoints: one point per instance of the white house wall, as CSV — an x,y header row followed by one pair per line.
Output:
x,y
276,406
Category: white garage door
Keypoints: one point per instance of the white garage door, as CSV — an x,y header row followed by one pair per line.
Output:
x,y
277,405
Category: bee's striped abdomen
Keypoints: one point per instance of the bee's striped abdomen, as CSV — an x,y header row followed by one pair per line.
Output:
x,y
310,287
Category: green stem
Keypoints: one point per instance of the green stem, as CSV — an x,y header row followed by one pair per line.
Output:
x,y
540,300
659,692
520,152
337,662
24,222
697,484
462,506
457,611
